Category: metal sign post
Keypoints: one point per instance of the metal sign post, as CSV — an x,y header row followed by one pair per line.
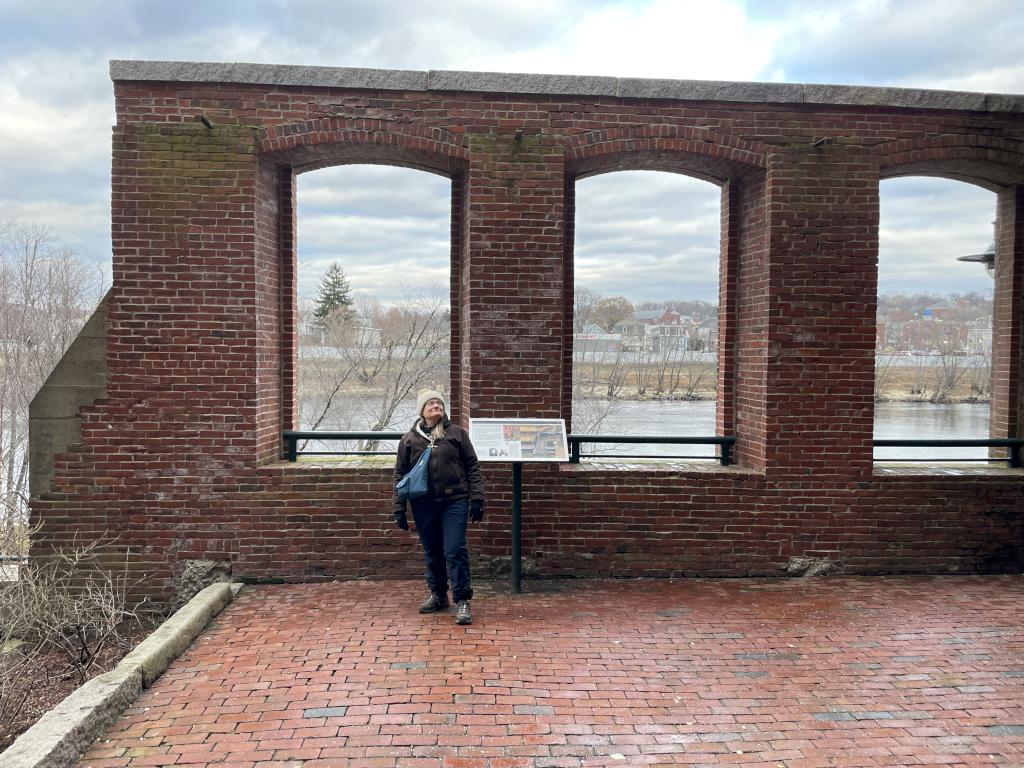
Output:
x,y
517,526
518,441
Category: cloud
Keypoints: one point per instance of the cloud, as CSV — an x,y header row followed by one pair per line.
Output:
x,y
647,235
925,225
387,227
36,136
633,235
374,189
663,39
914,43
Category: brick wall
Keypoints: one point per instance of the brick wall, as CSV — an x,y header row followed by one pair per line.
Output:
x,y
180,460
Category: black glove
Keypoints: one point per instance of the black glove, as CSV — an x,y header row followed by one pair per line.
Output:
x,y
402,521
476,510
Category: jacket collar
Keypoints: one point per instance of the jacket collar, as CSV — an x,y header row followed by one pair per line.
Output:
x,y
421,427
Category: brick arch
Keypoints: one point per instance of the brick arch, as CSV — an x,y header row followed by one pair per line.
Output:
x,y
730,163
985,161
324,142
294,148
694,151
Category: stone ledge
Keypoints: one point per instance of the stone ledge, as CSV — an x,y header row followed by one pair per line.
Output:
x,y
268,74
947,469
561,85
66,731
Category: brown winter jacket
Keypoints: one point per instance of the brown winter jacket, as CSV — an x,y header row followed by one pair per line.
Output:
x,y
454,471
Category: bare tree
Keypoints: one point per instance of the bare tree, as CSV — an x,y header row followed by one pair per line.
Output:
x,y
411,351
590,414
584,302
370,361
599,373
47,292
979,372
950,368
643,358
668,352
322,370
693,373
884,365
918,374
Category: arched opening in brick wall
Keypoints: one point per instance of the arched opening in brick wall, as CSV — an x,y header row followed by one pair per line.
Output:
x,y
645,315
737,169
373,295
287,152
998,166
933,362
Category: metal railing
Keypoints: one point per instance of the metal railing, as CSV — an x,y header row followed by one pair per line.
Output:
x,y
724,456
1013,447
293,437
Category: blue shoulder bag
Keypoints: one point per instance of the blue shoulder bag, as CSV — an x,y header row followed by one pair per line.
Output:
x,y
416,482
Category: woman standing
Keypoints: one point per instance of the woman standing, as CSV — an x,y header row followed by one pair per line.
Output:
x,y
456,492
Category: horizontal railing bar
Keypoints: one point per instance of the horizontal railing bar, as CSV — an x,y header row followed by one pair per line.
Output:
x,y
644,456
1001,442
655,439
666,439
312,435
946,459
348,453
712,439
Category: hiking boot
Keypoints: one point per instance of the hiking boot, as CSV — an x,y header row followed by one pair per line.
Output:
x,y
434,603
462,614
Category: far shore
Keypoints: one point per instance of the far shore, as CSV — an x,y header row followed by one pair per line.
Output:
x,y
902,385
886,397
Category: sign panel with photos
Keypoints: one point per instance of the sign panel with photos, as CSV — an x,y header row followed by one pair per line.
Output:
x,y
519,439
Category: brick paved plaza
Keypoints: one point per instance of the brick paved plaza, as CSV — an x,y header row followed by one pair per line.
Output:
x,y
883,671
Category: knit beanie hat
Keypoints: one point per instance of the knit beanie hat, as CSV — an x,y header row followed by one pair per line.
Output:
x,y
424,396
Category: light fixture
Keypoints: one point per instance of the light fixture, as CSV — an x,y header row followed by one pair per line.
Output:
x,y
986,257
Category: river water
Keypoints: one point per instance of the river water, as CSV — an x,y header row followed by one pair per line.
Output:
x,y
893,420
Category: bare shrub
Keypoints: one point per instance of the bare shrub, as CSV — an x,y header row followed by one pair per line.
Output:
x,y
67,602
14,531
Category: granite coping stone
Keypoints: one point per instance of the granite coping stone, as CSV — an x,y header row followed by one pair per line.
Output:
x,y
59,738
560,85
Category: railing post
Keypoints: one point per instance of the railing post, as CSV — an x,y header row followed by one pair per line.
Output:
x,y
725,458
1015,455
293,447
516,563
574,451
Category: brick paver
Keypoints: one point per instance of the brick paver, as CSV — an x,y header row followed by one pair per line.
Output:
x,y
840,671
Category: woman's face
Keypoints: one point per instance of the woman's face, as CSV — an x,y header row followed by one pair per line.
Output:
x,y
433,410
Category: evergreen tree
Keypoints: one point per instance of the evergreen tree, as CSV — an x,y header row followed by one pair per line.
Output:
x,y
334,296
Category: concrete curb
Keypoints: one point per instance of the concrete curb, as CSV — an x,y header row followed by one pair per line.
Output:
x,y
64,733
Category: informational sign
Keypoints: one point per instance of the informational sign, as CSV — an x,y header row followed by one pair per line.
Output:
x,y
519,440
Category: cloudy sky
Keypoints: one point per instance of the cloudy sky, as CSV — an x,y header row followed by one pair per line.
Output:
x,y
56,102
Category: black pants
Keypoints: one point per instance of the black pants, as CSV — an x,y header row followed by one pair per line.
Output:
x,y
441,526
